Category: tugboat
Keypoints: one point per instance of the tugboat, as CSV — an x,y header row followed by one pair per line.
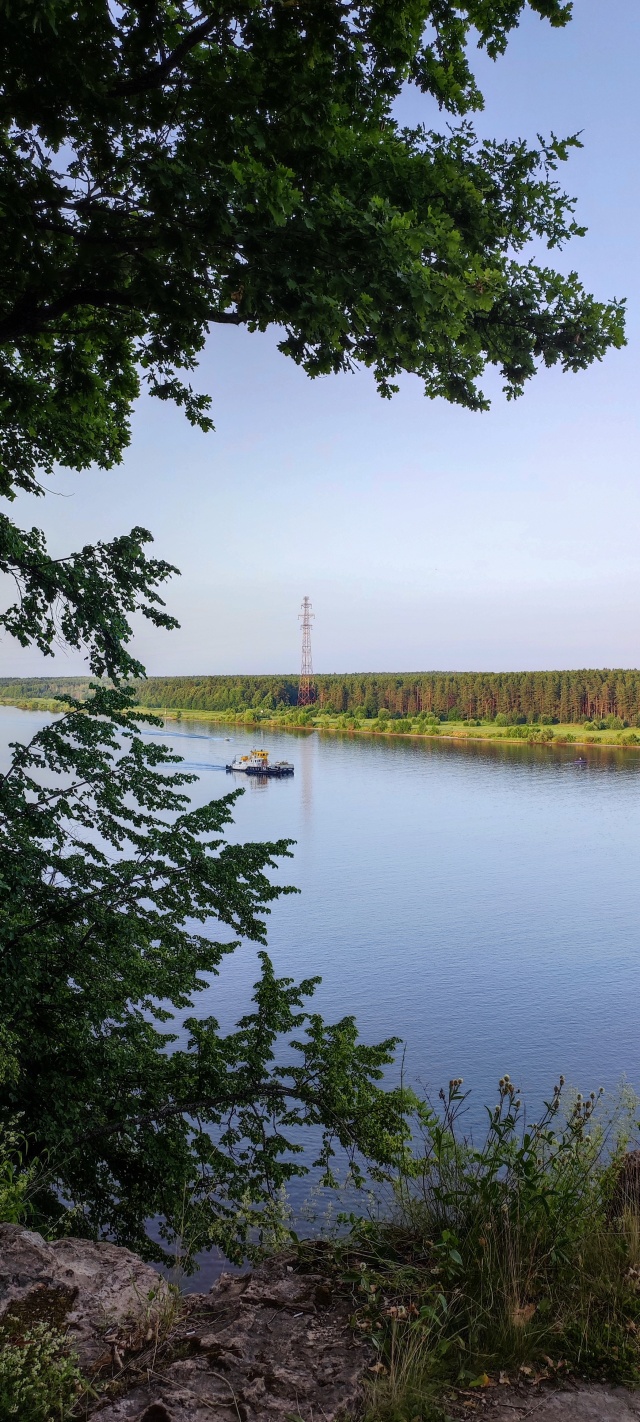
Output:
x,y
257,763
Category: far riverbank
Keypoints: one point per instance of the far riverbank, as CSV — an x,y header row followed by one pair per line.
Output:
x,y
309,719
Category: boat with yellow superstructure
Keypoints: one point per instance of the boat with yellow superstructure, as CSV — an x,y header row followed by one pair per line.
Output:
x,y
257,763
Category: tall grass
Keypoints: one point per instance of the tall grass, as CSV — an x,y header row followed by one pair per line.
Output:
x,y
518,1255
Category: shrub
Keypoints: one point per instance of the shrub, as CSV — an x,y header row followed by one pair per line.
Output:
x,y
17,1180
40,1380
513,1252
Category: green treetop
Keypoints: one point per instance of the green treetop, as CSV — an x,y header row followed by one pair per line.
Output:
x,y
166,167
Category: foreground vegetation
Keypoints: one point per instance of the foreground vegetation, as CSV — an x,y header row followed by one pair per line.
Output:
x,y
514,1256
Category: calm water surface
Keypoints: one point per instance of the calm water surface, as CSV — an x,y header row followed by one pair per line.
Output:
x,y
480,902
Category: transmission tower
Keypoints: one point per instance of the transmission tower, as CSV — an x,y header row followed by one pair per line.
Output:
x,y
307,686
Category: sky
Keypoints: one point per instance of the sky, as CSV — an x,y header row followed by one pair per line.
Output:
x,y
426,536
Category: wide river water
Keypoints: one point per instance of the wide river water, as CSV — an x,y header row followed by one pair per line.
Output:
x,y
480,901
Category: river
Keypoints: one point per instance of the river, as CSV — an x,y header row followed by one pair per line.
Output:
x,y
480,901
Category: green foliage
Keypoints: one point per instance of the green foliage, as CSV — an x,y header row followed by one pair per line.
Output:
x,y
602,700
17,1179
511,1254
109,887
85,598
40,1380
504,697
253,156
164,170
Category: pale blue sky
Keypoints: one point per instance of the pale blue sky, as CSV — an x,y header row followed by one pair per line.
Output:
x,y
426,536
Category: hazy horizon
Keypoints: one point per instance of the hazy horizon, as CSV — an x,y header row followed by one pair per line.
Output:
x,y
353,671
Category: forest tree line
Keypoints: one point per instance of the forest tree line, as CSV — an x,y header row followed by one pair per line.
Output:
x,y
565,696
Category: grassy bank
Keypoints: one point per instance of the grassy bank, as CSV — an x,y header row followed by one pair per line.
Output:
x,y
587,734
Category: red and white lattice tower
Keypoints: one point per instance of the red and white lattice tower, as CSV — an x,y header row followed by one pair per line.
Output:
x,y
307,686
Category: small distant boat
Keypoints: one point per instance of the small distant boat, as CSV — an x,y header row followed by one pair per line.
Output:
x,y
257,763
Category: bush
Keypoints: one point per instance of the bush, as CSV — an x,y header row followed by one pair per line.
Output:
x,y
511,1253
40,1380
17,1180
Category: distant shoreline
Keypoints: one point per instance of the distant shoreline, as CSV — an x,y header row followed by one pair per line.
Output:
x,y
559,735
300,720
608,698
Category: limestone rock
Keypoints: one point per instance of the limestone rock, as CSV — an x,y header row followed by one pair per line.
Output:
x,y
576,1402
93,1290
260,1349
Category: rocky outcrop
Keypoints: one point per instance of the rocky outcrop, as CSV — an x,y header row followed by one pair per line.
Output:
x,y
270,1346
95,1291
261,1347
580,1402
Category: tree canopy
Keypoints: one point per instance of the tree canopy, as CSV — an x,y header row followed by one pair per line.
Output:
x,y
562,695
592,693
169,167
